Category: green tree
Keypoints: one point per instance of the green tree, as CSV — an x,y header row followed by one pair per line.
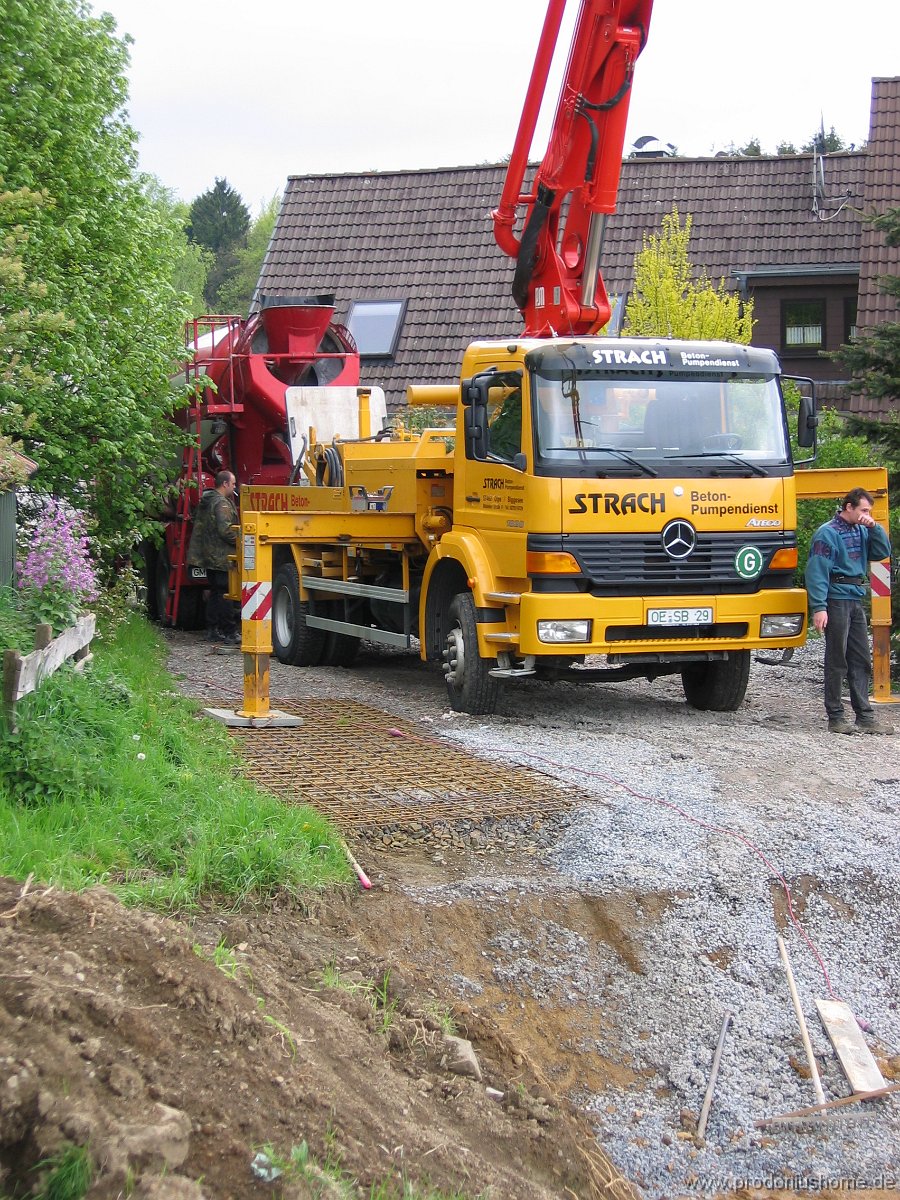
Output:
x,y
826,143
838,446
873,359
219,221
92,313
191,274
752,149
668,301
237,290
785,148
193,262
24,322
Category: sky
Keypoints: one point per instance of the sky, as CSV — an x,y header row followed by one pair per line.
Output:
x,y
256,92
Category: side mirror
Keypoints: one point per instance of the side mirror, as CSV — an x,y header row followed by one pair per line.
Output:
x,y
807,420
474,391
475,424
474,395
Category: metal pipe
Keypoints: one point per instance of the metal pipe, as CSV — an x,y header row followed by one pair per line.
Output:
x,y
592,259
713,1074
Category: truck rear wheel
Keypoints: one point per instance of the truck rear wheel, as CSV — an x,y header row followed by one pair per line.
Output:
x,y
341,649
191,610
718,686
148,553
470,686
161,575
293,641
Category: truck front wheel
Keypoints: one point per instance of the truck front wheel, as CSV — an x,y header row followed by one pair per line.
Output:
x,y
470,686
718,686
293,641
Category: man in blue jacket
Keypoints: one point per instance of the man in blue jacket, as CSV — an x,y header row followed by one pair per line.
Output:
x,y
836,580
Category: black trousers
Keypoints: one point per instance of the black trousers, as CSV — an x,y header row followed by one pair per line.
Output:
x,y
847,657
220,613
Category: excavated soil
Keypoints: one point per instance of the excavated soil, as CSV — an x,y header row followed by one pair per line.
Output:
x,y
177,1049
118,1033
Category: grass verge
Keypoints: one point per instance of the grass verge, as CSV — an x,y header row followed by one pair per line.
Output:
x,y
112,778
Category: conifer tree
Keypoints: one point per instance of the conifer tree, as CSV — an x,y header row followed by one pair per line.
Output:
x,y
874,358
238,288
219,222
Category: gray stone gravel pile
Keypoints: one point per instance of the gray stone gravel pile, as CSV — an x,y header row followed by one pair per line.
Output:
x,y
823,811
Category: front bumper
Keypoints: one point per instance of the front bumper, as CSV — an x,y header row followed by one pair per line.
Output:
x,y
619,625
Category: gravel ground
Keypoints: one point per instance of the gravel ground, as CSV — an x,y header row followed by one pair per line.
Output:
x,y
696,816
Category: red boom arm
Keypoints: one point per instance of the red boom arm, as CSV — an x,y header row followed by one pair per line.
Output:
x,y
557,284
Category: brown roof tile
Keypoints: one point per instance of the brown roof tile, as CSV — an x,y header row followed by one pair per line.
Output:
x,y
747,213
427,236
882,192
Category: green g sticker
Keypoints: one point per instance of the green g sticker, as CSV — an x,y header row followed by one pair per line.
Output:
x,y
748,562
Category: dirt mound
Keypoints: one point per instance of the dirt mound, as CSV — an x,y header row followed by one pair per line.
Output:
x,y
175,1052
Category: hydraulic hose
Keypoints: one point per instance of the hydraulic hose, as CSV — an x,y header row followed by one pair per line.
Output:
x,y
528,248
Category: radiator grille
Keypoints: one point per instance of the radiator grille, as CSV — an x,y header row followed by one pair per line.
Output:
x,y
619,564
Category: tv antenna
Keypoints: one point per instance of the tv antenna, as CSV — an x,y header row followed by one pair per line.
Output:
x,y
820,202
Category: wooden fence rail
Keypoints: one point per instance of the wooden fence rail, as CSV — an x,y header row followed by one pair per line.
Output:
x,y
24,673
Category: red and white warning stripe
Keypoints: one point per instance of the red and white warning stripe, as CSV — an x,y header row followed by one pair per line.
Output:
x,y
881,578
256,602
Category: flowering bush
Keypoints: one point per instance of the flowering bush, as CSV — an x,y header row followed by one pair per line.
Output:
x,y
56,578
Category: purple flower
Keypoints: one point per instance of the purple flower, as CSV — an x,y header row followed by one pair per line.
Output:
x,y
57,563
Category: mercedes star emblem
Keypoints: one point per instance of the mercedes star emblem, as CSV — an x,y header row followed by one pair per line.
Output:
x,y
679,539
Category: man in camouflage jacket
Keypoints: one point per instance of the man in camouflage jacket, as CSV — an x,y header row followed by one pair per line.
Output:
x,y
213,540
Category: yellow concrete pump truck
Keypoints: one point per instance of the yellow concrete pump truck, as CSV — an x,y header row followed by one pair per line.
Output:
x,y
596,497
601,508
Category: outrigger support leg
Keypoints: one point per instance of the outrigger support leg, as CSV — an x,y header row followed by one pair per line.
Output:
x,y
256,635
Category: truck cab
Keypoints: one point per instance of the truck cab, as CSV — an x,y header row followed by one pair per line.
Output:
x,y
630,499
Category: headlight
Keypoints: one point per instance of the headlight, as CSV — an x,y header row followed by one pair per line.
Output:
x,y
564,631
781,625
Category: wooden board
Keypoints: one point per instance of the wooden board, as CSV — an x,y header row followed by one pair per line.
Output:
x,y
32,668
850,1046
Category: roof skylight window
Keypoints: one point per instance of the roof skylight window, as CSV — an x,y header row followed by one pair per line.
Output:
x,y
376,326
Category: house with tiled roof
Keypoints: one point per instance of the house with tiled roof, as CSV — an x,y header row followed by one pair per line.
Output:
x,y
411,259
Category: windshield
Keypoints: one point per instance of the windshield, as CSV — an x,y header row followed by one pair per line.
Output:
x,y
667,427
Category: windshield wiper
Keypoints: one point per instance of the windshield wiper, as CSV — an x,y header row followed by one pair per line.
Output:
x,y
584,450
735,458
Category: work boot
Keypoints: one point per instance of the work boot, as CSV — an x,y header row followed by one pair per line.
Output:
x,y
213,635
841,725
873,725
231,639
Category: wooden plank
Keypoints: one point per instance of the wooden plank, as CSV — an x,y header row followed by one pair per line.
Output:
x,y
801,1020
41,663
850,1046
